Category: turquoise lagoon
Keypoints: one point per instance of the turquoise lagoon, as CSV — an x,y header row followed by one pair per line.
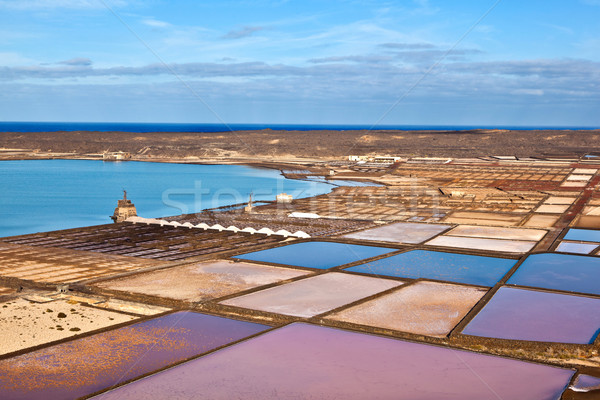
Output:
x,y
47,195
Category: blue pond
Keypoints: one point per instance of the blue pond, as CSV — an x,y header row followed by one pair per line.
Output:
x,y
321,255
584,235
579,248
559,271
45,195
461,268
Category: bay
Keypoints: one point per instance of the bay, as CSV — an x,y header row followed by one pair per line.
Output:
x,y
47,195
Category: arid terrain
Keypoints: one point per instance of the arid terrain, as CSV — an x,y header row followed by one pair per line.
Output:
x,y
270,144
482,244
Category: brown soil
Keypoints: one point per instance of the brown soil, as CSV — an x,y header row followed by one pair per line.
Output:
x,y
314,144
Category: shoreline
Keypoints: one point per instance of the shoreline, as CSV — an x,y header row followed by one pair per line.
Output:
x,y
279,165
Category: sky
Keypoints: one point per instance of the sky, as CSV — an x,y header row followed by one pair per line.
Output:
x,y
368,62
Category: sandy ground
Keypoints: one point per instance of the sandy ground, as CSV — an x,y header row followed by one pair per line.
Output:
x,y
25,324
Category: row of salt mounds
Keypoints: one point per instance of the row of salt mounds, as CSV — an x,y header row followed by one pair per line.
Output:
x,y
220,228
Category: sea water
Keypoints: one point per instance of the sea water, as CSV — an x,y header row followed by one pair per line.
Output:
x,y
46,195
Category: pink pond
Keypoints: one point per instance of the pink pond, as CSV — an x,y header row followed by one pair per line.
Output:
x,y
534,315
302,361
87,365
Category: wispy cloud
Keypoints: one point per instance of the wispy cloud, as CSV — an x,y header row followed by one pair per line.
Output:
x,y
408,46
50,4
559,28
11,58
375,77
528,92
243,32
411,53
78,61
357,59
424,7
154,23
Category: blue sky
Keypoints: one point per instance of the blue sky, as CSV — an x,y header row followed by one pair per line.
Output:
x,y
467,62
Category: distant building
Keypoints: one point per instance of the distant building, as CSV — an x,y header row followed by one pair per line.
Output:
x,y
387,159
376,159
358,158
429,160
284,198
116,156
124,210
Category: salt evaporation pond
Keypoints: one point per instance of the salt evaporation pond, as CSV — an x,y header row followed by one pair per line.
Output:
x,y
314,295
423,308
302,361
559,271
532,315
46,195
321,255
84,366
579,248
400,232
460,268
583,235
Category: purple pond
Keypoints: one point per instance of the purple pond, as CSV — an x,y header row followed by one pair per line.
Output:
x,y
302,361
84,366
532,315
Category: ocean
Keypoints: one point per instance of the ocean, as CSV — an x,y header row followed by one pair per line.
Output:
x,y
196,127
46,195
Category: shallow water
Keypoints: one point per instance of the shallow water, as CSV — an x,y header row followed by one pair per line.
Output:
x,y
87,365
584,235
302,361
321,255
46,195
559,271
533,315
461,268
579,248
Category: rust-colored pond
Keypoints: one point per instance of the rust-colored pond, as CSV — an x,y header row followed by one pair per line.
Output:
x,y
84,366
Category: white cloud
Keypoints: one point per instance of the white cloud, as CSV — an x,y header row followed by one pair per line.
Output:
x,y
50,4
243,32
77,61
559,28
154,23
529,92
13,59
